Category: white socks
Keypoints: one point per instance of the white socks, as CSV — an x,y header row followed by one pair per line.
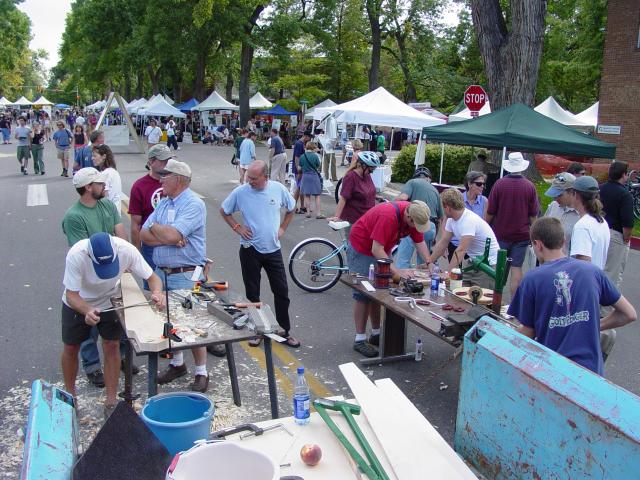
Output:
x,y
177,360
201,370
375,331
361,337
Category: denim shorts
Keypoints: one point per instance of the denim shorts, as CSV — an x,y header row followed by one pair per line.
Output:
x,y
359,263
516,250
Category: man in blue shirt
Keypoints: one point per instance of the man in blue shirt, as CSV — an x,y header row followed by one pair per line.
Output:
x,y
247,154
558,303
62,138
278,157
176,229
260,201
298,151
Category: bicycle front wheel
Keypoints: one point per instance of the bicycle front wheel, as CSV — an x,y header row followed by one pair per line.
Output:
x,y
315,265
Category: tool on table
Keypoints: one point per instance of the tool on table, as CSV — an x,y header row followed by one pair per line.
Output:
x,y
373,470
215,285
168,330
457,324
412,286
242,304
251,428
410,300
112,309
260,431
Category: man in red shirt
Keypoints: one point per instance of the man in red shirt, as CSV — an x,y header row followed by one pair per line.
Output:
x,y
146,193
513,207
373,237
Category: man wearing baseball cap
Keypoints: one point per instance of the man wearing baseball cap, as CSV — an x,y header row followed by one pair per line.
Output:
x,y
177,231
146,193
92,273
561,207
513,207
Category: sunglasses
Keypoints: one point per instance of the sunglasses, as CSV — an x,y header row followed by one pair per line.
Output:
x,y
479,184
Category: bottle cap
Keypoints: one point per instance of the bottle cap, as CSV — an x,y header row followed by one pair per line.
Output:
x,y
300,369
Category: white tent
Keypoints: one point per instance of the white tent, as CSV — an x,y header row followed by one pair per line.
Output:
x,y
168,99
22,102
214,102
382,109
138,108
4,101
590,115
325,103
258,102
466,113
160,108
552,109
42,101
135,104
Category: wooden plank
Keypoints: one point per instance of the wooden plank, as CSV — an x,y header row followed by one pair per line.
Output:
x,y
142,323
408,409
410,450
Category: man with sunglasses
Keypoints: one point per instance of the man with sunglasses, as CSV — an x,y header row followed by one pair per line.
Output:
x,y
561,207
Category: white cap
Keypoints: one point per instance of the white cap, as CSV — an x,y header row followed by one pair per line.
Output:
x,y
85,176
179,168
515,163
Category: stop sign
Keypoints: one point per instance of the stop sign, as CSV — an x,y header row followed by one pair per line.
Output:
x,y
474,99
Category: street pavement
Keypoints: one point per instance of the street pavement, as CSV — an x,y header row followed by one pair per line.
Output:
x,y
32,265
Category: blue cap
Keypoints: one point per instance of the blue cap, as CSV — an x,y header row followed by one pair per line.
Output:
x,y
561,182
103,256
586,184
300,369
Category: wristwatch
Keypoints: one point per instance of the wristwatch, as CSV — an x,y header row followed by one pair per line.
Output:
x,y
151,225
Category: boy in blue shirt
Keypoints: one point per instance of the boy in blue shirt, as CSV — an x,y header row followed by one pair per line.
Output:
x,y
558,303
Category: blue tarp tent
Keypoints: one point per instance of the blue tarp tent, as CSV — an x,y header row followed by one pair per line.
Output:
x,y
62,105
188,105
276,110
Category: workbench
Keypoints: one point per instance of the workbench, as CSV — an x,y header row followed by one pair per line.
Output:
x,y
220,333
394,317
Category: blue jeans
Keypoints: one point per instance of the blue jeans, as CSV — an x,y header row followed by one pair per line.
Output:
x,y
406,247
6,135
176,281
147,254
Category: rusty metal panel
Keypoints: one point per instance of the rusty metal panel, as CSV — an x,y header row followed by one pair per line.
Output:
x,y
525,411
51,443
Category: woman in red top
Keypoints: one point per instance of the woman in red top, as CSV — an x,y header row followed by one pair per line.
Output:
x,y
358,193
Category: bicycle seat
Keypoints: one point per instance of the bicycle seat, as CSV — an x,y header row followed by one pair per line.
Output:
x,y
339,225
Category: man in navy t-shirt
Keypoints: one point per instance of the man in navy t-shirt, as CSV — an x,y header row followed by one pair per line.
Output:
x,y
558,303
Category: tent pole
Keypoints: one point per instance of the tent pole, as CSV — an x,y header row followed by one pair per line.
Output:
x,y
391,140
504,155
441,162
419,160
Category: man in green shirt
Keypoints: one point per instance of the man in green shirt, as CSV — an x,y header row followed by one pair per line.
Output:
x,y
91,214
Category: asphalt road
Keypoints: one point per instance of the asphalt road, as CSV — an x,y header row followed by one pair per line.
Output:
x,y
32,265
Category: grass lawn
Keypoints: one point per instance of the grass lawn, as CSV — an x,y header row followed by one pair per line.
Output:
x,y
542,187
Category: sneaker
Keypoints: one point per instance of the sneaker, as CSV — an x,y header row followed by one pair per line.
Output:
x,y
374,339
134,368
363,348
171,373
217,350
96,378
200,383
24,172
41,173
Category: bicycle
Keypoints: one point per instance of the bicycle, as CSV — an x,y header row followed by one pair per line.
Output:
x,y
316,264
633,185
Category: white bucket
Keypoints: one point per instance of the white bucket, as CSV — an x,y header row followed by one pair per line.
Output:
x,y
222,460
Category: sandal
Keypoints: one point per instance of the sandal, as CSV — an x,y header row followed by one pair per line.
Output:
x,y
255,342
320,216
301,210
308,215
292,342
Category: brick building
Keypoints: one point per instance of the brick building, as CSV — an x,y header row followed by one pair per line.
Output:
x,y
620,83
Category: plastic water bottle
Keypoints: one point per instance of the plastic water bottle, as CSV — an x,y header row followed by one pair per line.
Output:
x,y
435,281
301,399
418,355
372,272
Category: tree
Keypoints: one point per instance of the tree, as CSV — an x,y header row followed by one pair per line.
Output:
x,y
15,33
374,12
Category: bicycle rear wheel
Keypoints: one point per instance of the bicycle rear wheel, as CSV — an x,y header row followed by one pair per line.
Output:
x,y
315,265
636,204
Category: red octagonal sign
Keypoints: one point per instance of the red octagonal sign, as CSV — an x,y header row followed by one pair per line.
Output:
x,y
474,99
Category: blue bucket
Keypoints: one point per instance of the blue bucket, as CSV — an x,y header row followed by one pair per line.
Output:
x,y
178,419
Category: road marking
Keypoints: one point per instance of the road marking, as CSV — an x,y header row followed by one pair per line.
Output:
x,y
284,382
37,195
316,386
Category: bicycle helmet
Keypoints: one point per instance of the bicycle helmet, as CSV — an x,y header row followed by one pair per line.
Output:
x,y
370,159
422,172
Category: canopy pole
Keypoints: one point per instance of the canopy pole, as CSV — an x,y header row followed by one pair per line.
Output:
x,y
419,158
441,162
504,155
391,140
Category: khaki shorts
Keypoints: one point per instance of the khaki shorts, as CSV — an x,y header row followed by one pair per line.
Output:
x,y
63,154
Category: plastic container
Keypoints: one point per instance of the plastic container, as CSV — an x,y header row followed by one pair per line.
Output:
x,y
455,278
418,354
224,460
301,399
372,272
435,281
178,419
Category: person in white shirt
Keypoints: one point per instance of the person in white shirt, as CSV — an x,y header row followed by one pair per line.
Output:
x,y
591,236
172,141
92,274
153,133
104,162
561,207
472,232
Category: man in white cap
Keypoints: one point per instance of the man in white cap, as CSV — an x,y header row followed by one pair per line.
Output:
x,y
177,231
561,207
92,273
513,207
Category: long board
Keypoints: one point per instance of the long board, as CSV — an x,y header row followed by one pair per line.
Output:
x,y
142,323
409,447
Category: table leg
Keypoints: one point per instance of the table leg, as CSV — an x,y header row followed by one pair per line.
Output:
x,y
128,394
271,378
393,339
152,378
233,374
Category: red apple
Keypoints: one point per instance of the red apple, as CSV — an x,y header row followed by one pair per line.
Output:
x,y
311,454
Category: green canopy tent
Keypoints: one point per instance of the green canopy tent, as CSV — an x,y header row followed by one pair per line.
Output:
x,y
520,128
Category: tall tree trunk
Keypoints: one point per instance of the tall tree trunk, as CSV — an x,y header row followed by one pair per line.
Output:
x,y
246,62
201,68
155,79
228,88
511,56
127,85
373,12
139,83
410,94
